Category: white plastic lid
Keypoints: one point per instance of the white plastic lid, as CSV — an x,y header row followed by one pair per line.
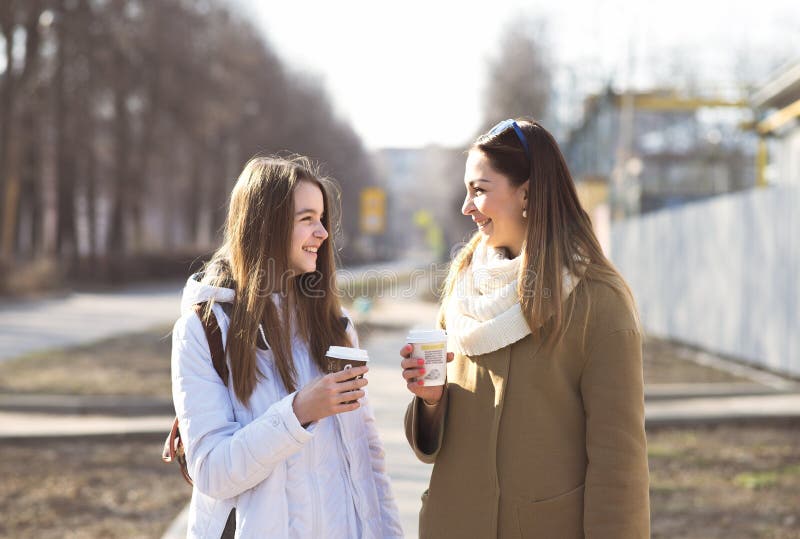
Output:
x,y
344,352
426,335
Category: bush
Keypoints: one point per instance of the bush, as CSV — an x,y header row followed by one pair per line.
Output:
x,y
23,279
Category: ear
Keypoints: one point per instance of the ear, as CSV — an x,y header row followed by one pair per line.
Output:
x,y
522,193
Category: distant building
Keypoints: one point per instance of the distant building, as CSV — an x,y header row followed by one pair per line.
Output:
x,y
657,149
778,102
428,180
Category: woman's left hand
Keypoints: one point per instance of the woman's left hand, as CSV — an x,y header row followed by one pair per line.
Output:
x,y
413,370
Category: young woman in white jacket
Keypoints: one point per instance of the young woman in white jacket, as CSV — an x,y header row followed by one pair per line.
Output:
x,y
278,441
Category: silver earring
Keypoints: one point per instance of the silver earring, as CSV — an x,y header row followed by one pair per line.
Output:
x,y
525,214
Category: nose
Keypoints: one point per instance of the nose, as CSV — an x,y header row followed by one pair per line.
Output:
x,y
320,232
468,206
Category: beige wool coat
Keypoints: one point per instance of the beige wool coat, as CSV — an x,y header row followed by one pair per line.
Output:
x,y
543,444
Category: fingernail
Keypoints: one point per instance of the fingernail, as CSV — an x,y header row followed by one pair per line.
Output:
x,y
422,371
420,383
420,362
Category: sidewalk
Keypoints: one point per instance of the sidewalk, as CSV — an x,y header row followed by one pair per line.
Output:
x,y
82,317
47,419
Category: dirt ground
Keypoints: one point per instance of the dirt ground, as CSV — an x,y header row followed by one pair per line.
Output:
x,y
729,482
135,364
86,488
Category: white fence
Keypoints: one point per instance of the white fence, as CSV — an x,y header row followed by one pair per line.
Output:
x,y
721,274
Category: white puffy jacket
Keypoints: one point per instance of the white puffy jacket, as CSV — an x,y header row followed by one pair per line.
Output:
x,y
254,458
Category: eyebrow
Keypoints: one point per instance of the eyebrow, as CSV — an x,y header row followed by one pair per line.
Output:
x,y
305,210
472,183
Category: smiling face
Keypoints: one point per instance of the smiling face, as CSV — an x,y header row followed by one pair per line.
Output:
x,y
308,232
494,204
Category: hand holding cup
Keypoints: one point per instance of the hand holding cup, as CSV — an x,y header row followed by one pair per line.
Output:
x,y
414,374
331,394
336,392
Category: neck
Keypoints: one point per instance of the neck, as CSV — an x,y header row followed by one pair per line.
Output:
x,y
513,250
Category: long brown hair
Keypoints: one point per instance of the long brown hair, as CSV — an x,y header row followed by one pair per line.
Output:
x,y
559,231
255,257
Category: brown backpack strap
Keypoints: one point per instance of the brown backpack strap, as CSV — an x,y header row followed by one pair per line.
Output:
x,y
214,337
173,446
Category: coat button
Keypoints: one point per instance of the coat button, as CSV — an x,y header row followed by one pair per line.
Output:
x,y
274,421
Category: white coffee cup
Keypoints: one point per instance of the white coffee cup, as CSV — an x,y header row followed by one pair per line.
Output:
x,y
431,346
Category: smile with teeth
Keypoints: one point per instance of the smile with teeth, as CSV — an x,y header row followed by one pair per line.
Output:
x,y
482,224
311,249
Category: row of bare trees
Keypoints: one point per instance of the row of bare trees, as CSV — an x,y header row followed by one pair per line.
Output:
x,y
123,124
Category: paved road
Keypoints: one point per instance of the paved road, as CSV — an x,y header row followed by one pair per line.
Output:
x,y
390,397
81,317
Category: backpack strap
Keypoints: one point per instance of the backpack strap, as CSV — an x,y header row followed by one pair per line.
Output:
x,y
173,446
214,337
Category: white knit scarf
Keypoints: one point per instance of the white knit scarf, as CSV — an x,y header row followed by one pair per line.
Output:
x,y
483,312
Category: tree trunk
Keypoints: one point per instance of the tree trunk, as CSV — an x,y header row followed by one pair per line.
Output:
x,y
30,203
7,99
87,130
219,190
116,244
194,197
10,145
66,237
141,174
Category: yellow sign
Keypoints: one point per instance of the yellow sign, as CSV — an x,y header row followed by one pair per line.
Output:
x,y
373,210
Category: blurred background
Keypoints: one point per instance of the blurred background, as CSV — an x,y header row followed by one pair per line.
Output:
x,y
123,126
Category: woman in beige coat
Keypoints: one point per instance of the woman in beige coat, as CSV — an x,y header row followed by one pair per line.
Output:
x,y
539,431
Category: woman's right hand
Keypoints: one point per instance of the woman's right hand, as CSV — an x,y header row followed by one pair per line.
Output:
x,y
328,394
413,370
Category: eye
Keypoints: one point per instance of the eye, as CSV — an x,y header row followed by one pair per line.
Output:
x,y
477,190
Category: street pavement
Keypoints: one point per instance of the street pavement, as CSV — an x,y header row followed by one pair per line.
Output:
x,y
83,317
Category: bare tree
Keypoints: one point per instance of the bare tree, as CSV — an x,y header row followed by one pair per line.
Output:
x,y
132,120
519,77
20,67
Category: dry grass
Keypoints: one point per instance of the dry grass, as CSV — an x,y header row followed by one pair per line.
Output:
x,y
82,488
665,363
730,482
136,364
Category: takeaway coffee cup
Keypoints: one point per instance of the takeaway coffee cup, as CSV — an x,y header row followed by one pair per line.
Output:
x,y
430,345
342,358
